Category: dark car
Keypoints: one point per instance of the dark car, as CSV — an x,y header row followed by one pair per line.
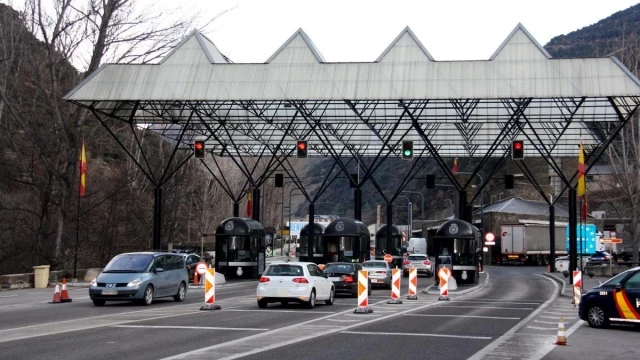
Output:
x,y
344,276
615,301
600,258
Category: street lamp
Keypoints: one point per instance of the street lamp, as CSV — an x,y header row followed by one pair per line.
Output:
x,y
421,212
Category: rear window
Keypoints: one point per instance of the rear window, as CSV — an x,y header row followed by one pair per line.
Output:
x,y
339,268
284,270
375,264
418,257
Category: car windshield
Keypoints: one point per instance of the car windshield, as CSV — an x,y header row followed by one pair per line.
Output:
x,y
417,257
339,269
284,270
129,263
376,264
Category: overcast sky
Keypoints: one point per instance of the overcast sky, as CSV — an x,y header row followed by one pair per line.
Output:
x,y
355,30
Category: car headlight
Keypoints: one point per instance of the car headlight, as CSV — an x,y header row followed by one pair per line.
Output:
x,y
94,282
135,283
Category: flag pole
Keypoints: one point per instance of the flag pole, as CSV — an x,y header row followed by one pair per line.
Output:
x,y
75,250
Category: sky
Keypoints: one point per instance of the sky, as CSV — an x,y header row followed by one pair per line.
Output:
x,y
354,30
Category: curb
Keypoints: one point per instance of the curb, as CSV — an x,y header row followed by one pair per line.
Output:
x,y
558,279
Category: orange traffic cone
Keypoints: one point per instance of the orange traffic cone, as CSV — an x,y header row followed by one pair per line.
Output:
x,y
64,294
195,278
562,337
56,296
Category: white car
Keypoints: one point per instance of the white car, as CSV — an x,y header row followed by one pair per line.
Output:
x,y
301,282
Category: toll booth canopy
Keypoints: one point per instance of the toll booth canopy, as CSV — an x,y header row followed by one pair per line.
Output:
x,y
457,247
382,245
346,239
317,247
240,248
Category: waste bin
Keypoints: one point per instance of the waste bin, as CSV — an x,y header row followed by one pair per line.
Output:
x,y
41,276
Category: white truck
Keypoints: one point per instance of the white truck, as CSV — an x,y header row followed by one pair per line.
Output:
x,y
529,243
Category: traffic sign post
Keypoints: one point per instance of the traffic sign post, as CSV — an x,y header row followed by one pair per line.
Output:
x,y
201,269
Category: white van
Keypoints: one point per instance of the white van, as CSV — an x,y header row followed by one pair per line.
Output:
x,y
417,246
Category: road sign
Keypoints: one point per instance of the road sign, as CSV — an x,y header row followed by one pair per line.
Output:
x,y
388,258
201,268
489,238
611,241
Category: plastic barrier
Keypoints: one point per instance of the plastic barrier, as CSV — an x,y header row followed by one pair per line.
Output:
x,y
210,290
413,284
395,287
577,287
444,274
363,293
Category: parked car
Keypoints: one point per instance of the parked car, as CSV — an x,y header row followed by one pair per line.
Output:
x,y
142,277
379,272
562,263
420,262
190,261
600,258
615,301
344,276
301,282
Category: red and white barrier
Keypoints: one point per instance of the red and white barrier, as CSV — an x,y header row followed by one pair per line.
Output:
x,y
363,293
210,290
395,287
577,287
444,274
413,284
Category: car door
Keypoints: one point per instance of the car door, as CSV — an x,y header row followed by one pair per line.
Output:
x,y
628,298
319,281
160,280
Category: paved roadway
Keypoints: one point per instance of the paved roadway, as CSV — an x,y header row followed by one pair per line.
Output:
x,y
512,314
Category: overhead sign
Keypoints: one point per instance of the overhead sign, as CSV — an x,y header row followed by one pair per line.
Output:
x,y
586,234
611,241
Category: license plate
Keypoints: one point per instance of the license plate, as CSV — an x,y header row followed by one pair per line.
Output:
x,y
374,280
110,292
334,279
282,292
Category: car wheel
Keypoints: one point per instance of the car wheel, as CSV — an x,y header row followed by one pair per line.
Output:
x,y
262,303
332,295
370,290
596,317
99,302
312,299
182,292
147,298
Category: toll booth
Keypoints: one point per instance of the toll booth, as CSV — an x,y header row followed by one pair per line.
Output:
x,y
240,248
346,239
457,246
317,244
396,242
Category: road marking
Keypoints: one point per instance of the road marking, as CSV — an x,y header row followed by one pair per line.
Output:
x,y
287,311
555,312
495,301
8,296
542,328
414,334
487,307
188,327
468,316
555,317
340,320
508,301
546,322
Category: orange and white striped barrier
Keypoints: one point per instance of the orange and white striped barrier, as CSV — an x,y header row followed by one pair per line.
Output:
x,y
444,274
64,294
56,295
210,290
562,336
577,287
395,287
413,284
363,293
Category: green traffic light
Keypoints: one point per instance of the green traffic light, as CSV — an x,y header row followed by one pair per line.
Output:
x,y
407,152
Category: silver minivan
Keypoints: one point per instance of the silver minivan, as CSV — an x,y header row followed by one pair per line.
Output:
x,y
141,277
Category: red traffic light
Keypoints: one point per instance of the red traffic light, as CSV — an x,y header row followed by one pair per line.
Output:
x,y
301,149
302,145
517,145
517,150
199,145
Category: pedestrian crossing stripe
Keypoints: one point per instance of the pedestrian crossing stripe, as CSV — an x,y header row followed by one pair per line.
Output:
x,y
624,307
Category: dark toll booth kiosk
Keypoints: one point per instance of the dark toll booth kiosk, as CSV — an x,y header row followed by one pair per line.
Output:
x,y
382,247
316,244
456,243
346,239
240,248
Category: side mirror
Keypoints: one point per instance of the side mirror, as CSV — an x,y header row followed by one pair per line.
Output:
x,y
618,287
158,270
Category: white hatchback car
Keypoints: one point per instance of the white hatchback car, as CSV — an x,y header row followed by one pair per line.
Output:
x,y
301,282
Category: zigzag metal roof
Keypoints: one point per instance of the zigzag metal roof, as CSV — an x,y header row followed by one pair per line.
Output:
x,y
463,108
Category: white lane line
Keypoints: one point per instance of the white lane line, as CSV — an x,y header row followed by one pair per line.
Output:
x,y
542,328
8,296
546,322
188,327
288,311
360,315
414,334
508,301
468,316
340,320
557,317
493,302
487,307
555,312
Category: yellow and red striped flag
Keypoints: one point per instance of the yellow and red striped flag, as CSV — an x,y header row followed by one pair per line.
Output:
x,y
249,203
582,186
83,170
455,165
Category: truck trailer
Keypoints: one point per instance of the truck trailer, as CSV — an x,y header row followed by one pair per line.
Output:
x,y
528,244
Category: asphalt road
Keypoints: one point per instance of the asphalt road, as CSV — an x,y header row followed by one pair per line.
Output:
x,y
512,314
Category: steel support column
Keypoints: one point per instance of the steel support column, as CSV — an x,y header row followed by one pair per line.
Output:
x,y
573,239
236,209
389,224
255,204
552,238
157,218
310,232
357,206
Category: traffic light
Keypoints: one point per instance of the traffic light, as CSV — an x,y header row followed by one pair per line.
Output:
x,y
407,150
301,149
508,181
198,149
431,181
279,180
517,149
